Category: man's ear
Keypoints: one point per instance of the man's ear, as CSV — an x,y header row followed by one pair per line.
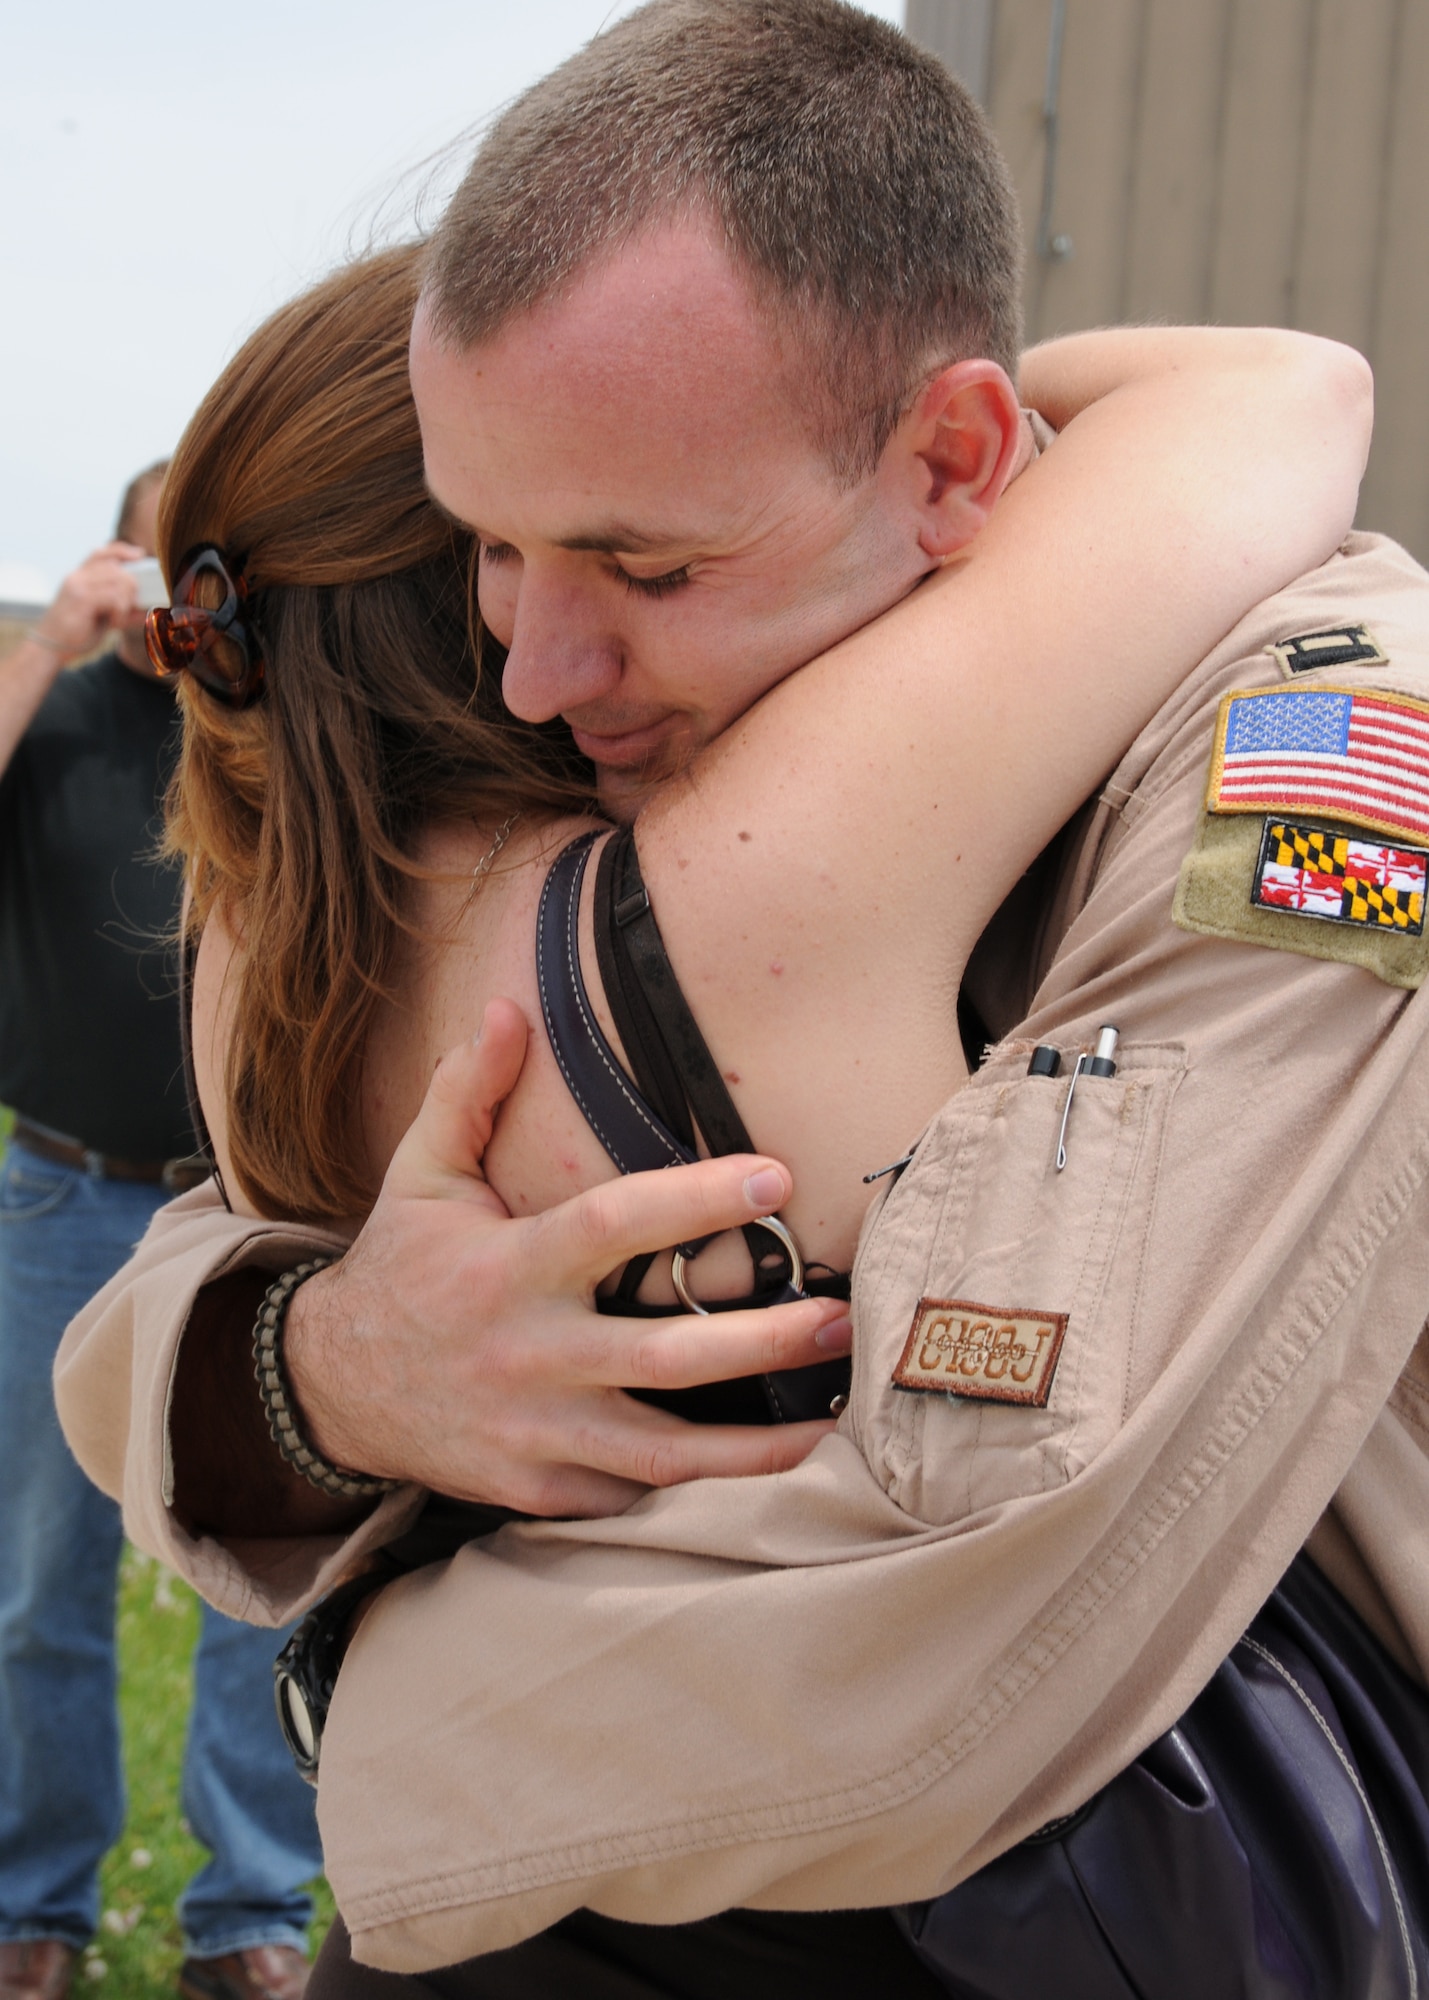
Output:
x,y
959,448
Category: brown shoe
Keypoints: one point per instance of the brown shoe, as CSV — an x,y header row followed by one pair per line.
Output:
x,y
36,1968
263,1972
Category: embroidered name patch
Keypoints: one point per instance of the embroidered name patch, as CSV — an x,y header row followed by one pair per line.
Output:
x,y
1323,873
1355,755
989,1353
1338,647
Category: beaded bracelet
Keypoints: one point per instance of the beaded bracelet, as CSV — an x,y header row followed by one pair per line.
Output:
x,y
278,1403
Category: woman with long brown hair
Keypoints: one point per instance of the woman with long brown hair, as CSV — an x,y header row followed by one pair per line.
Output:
x,y
302,815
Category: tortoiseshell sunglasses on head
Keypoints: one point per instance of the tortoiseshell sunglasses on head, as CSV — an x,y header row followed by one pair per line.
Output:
x,y
214,643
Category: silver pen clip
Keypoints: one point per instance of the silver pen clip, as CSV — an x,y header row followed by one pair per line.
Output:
x,y
1101,1063
1067,1112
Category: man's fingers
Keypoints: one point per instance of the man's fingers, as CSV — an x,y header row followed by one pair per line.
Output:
x,y
653,1448
575,1493
686,1349
589,1235
450,1134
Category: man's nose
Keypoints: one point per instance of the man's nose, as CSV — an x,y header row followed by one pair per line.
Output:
x,y
564,652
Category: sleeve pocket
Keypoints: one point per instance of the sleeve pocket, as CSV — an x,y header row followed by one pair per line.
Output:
x,y
1017,1286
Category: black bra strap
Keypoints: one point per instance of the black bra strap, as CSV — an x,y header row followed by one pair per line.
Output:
x,y
627,1128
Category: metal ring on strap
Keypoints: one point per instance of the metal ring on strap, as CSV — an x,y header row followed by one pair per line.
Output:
x,y
777,1229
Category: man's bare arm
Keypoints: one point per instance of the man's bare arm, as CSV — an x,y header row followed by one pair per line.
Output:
x,y
94,597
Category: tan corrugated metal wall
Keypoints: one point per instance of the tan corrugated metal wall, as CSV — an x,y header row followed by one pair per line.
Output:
x,y
1243,161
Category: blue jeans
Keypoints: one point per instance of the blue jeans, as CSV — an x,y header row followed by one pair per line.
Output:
x,y
63,1234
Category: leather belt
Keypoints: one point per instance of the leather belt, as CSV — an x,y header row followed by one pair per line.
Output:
x,y
175,1175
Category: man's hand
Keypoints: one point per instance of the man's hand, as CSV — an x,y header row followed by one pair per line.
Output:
x,y
96,598
459,1347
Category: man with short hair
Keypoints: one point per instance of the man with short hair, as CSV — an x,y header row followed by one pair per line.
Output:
x,y
721,300
740,357
90,1063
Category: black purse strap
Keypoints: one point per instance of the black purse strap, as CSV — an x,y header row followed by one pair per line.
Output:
x,y
656,1076
628,1128
635,966
679,1086
666,1049
663,1039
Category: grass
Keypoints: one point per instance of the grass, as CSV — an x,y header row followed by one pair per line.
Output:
x,y
137,1951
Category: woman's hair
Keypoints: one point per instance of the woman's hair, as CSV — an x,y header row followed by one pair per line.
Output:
x,y
298,818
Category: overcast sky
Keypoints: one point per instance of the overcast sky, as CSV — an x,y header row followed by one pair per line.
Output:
x,y
169,173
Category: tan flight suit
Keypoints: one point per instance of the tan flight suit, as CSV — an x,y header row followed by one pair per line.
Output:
x,y
856,1682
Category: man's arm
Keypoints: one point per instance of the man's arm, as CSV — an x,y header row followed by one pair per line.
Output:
x,y
92,599
229,1478
116,1386
27,674
450,1346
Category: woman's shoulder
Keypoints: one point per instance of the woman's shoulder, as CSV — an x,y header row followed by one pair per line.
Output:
x,y
470,937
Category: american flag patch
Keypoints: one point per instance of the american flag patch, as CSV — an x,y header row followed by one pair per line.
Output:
x,y
1317,871
1356,755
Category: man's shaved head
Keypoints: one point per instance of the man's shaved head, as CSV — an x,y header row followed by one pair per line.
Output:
x,y
851,178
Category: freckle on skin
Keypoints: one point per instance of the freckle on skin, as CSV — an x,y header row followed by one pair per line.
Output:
x,y
746,836
731,1076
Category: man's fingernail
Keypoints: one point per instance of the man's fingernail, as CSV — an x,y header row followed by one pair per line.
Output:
x,y
766,1189
836,1337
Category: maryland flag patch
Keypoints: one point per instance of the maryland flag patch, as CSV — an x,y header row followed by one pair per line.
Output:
x,y
1319,872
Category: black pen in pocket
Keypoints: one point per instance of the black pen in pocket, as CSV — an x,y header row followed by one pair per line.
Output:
x,y
1101,1063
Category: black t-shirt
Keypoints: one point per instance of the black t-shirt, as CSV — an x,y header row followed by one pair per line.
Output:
x,y
89,1014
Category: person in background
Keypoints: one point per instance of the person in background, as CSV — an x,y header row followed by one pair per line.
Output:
x,y
90,1063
